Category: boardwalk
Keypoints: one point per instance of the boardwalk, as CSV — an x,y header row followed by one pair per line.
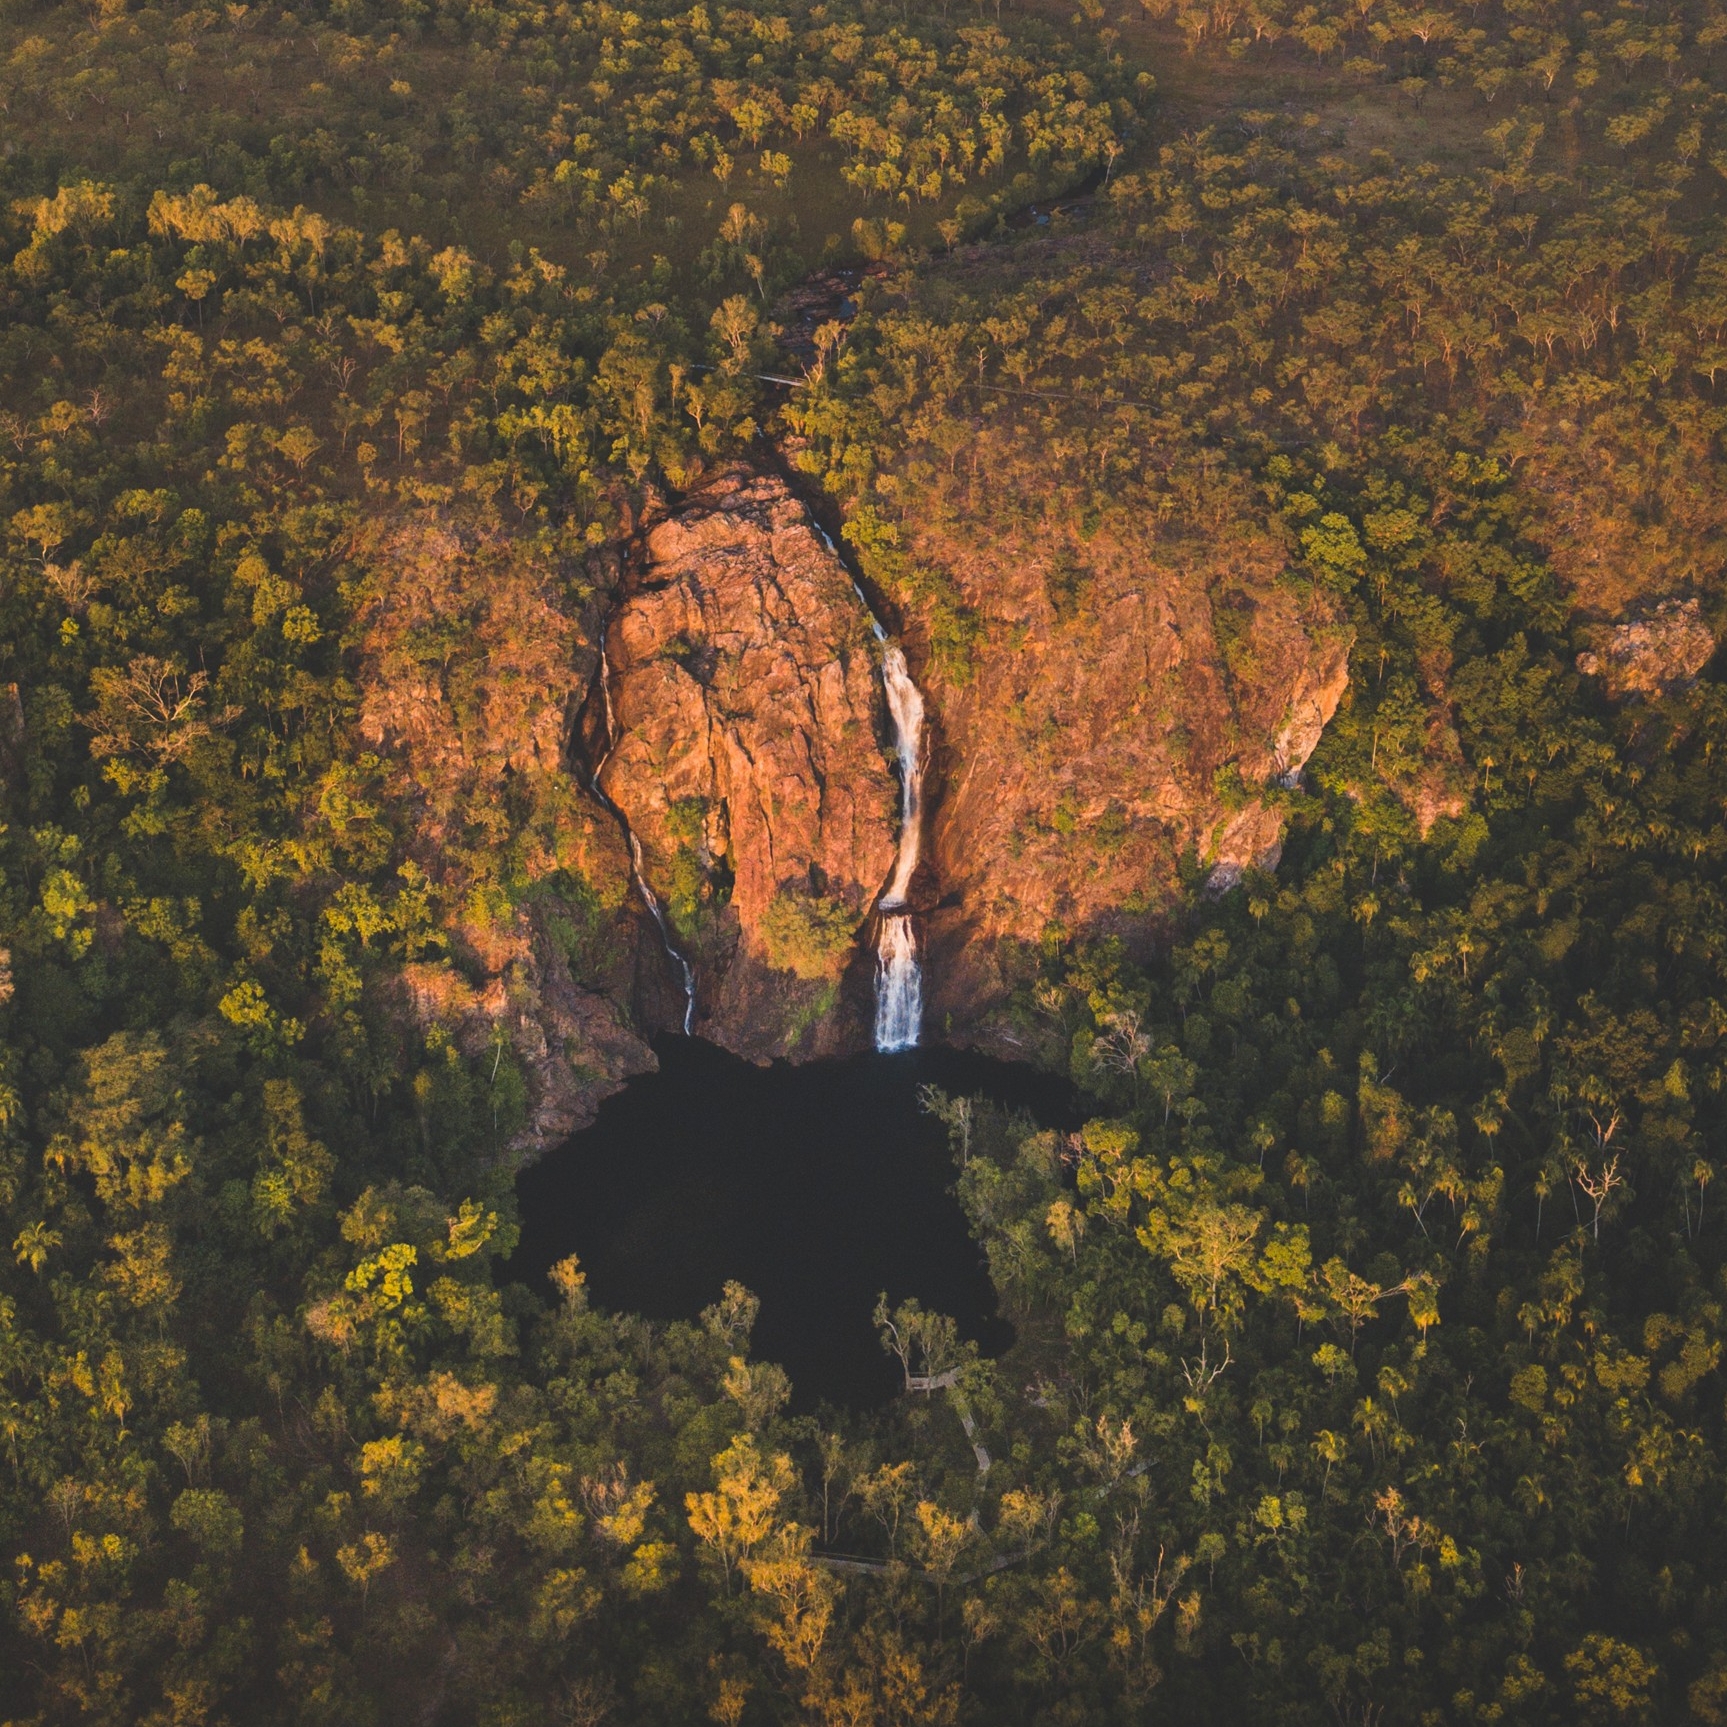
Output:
x,y
845,1562
927,1383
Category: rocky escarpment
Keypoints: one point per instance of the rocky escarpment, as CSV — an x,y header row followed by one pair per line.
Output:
x,y
1122,702
1649,655
747,755
475,645
1125,702
572,1044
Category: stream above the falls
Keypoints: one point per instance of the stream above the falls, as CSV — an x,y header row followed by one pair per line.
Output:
x,y
816,1186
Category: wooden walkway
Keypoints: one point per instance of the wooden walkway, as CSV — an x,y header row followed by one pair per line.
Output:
x,y
927,1383
845,1562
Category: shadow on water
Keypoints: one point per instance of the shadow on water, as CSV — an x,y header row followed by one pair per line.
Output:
x,y
816,1186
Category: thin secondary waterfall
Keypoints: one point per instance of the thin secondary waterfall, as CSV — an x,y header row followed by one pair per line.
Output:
x,y
899,970
649,898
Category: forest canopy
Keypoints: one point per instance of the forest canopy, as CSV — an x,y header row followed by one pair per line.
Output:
x,y
1369,1331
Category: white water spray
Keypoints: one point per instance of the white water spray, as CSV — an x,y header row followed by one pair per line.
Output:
x,y
898,984
899,971
905,703
649,898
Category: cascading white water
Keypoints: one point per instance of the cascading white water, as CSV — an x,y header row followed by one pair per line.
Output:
x,y
905,704
899,970
651,900
648,897
899,973
898,985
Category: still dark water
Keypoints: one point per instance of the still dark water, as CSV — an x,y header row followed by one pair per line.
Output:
x,y
816,1186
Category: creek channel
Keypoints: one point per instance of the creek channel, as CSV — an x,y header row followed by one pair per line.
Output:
x,y
817,1186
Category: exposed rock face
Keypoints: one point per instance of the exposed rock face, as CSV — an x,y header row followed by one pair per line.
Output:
x,y
1653,654
1074,760
1321,678
471,652
473,655
571,1044
1251,837
1127,705
748,747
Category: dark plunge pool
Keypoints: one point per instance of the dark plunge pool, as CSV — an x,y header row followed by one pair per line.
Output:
x,y
816,1186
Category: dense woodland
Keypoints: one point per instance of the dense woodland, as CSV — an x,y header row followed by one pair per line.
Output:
x,y
1369,1335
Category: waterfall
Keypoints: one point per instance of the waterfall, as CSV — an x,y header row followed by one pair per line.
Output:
x,y
899,969
899,972
648,897
898,984
905,703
